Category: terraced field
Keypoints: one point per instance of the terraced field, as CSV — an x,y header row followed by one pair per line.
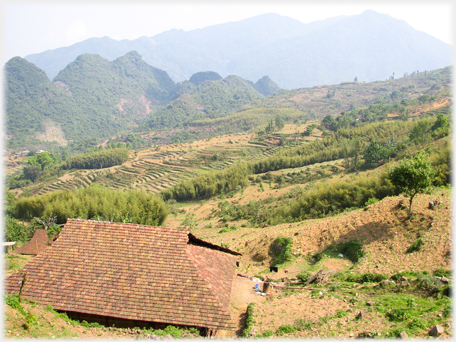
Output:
x,y
153,171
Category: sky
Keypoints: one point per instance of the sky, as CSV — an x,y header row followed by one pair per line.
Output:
x,y
36,26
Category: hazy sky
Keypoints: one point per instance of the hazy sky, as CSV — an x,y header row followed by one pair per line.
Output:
x,y
36,26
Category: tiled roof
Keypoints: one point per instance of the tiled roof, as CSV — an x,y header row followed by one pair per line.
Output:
x,y
133,272
37,243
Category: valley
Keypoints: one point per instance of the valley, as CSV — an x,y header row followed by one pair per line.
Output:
x,y
297,180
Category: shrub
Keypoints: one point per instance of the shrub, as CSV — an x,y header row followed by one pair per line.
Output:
x,y
280,250
352,249
398,315
341,313
353,278
417,323
429,283
228,229
317,257
250,320
16,231
169,330
304,276
408,274
285,329
442,273
266,333
415,246
372,278
303,325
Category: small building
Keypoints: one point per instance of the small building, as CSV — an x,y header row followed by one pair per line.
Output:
x,y
37,243
132,275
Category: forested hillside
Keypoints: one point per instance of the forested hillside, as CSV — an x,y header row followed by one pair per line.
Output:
x,y
95,98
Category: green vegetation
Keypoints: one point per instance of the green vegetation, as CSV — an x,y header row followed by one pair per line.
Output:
x,y
352,249
412,175
250,320
280,250
94,203
96,159
15,231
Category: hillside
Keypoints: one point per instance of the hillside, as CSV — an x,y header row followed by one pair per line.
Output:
x,y
95,98
370,46
299,182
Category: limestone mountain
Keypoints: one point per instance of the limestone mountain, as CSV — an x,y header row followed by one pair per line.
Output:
x,y
370,46
93,97
266,86
210,99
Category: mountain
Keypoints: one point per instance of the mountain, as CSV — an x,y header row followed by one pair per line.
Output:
x,y
210,99
93,97
369,46
266,86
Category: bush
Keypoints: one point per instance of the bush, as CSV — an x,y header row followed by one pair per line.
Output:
x,y
169,330
352,249
398,315
415,246
95,203
407,274
266,333
280,250
417,323
353,278
285,329
303,325
250,320
442,273
372,278
304,276
429,283
16,231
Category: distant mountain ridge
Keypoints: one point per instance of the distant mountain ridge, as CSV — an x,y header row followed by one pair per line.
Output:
x,y
369,46
94,97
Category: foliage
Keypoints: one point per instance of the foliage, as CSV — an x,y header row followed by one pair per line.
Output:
x,y
352,249
14,301
366,278
285,329
53,231
15,231
280,250
209,184
304,276
412,175
175,332
97,159
416,245
95,203
250,319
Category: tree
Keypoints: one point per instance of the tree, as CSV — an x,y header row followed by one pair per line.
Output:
x,y
440,128
412,175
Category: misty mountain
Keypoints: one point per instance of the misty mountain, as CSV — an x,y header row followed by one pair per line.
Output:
x,y
369,46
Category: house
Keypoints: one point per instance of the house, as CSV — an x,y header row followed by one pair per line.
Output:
x,y
132,275
37,243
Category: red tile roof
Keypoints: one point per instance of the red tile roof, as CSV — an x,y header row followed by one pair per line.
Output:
x,y
37,243
132,272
